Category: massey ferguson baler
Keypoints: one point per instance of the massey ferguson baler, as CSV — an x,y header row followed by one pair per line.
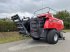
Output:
x,y
43,26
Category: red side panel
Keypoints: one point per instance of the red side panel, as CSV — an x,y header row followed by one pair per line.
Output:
x,y
54,23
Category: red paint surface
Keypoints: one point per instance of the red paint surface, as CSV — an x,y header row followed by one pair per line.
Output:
x,y
52,22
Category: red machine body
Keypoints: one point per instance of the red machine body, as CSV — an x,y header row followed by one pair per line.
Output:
x,y
52,22
43,26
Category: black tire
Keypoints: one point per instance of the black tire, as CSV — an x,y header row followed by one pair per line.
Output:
x,y
52,37
35,38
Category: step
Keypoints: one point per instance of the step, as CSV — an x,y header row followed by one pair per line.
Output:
x,y
22,31
18,23
19,27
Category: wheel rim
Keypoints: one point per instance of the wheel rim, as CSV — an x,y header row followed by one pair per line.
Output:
x,y
55,37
